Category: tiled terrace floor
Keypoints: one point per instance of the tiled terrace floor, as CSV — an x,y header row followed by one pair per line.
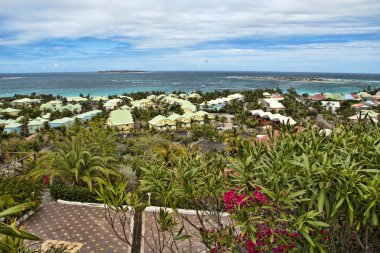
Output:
x,y
87,225
73,223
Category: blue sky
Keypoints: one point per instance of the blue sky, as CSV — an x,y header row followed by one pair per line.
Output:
x,y
271,35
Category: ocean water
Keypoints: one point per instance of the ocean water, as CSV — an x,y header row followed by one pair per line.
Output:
x,y
95,84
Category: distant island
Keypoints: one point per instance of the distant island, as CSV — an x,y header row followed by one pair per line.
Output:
x,y
120,71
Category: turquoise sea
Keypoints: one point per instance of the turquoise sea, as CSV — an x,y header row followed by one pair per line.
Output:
x,y
72,84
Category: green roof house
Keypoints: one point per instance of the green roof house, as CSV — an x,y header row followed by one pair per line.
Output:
x,y
186,105
77,99
64,122
10,111
54,105
162,123
121,120
25,102
36,124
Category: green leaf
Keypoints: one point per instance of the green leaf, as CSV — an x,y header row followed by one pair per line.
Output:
x,y
296,194
182,237
307,237
320,248
16,209
318,224
5,247
271,238
9,231
340,202
375,221
321,199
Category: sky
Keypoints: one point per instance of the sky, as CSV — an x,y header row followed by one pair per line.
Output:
x,y
242,35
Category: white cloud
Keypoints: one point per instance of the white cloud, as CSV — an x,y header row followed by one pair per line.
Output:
x,y
180,23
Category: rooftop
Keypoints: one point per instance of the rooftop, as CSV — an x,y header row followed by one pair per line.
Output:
x,y
120,117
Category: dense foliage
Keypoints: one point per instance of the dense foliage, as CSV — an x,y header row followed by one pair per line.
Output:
x,y
311,181
17,190
72,193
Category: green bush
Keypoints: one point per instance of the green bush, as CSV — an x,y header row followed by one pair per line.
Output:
x,y
72,193
21,189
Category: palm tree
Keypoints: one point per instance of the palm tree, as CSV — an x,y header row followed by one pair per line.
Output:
x,y
75,161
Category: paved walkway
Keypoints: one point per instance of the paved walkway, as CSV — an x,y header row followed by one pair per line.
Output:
x,y
87,225
72,223
152,242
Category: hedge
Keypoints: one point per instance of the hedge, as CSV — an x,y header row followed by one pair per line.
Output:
x,y
72,193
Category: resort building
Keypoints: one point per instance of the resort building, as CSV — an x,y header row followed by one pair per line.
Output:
x,y
13,127
266,118
161,96
25,102
317,97
198,117
125,107
95,100
142,103
180,120
351,97
10,112
220,103
236,96
364,95
195,96
77,99
333,96
36,124
376,96
175,120
46,116
20,119
370,103
129,98
121,120
278,97
186,105
75,108
365,115
183,96
162,123
330,105
271,104
112,103
359,106
64,122
267,95
152,97
99,98
54,105
84,117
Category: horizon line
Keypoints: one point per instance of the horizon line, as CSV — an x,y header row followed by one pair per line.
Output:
x,y
150,71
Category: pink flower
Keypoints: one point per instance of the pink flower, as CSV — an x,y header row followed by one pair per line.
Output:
x,y
230,198
281,248
46,180
294,234
261,198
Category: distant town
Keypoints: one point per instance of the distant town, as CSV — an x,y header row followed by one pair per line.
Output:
x,y
156,172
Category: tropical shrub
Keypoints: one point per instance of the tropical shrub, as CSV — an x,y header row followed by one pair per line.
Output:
x,y
337,176
72,193
20,189
76,161
11,237
324,188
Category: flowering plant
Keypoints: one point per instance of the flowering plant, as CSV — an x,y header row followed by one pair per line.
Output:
x,y
258,225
